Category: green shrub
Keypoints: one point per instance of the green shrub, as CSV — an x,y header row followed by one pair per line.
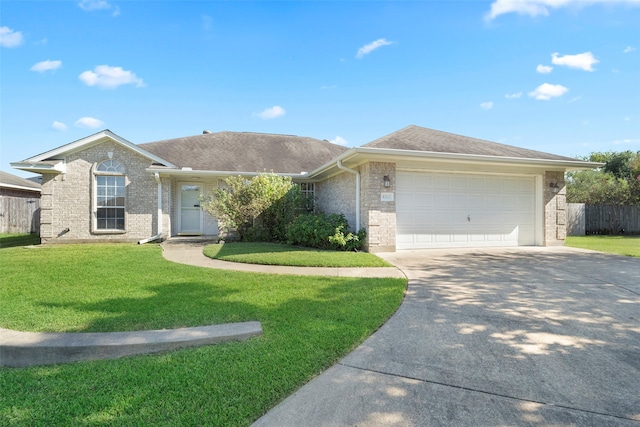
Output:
x,y
258,209
324,232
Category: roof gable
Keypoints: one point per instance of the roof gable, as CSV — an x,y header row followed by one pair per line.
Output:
x,y
246,152
90,140
416,138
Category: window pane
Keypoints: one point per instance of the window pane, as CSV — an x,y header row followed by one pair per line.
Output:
x,y
110,166
110,200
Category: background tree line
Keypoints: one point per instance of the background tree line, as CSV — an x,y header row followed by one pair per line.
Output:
x,y
616,183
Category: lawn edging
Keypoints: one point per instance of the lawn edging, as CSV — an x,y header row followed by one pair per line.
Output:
x,y
22,349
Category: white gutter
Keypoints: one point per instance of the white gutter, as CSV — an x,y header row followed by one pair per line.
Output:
x,y
357,174
20,187
199,173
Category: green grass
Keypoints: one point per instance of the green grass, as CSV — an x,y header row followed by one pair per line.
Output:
x,y
11,240
621,245
309,323
277,254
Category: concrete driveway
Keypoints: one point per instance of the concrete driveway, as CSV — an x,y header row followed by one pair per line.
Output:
x,y
491,337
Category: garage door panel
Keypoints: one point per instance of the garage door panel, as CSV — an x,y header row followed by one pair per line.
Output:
x,y
449,210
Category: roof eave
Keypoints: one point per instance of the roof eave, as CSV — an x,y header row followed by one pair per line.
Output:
x,y
360,154
20,187
37,167
192,173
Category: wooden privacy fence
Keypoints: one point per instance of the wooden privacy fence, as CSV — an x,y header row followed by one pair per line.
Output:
x,y
19,214
602,219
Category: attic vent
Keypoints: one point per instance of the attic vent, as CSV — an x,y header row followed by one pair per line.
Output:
x,y
206,131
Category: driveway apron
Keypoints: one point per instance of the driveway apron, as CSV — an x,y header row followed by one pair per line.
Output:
x,y
488,337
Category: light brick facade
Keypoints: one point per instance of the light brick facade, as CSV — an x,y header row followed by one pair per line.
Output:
x,y
555,204
378,217
338,195
68,199
68,208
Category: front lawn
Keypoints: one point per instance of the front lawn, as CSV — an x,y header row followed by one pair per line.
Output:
x,y
621,245
277,254
309,323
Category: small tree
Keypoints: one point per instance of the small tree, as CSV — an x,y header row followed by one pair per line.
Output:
x,y
259,208
616,183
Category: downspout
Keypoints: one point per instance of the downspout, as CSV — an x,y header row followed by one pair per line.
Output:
x,y
357,174
157,177
158,235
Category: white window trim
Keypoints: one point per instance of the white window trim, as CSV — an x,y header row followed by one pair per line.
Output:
x,y
94,199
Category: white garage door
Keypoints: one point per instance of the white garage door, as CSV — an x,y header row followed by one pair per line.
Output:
x,y
435,210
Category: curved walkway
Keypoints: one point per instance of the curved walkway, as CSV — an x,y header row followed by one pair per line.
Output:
x,y
191,253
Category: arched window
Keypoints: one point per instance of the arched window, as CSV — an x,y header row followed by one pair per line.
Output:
x,y
110,195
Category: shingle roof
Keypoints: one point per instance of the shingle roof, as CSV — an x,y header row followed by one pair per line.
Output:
x,y
246,152
6,179
417,138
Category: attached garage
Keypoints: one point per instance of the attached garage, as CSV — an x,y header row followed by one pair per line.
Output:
x,y
441,210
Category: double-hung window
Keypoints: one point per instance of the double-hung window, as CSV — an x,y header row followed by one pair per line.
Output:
x,y
110,195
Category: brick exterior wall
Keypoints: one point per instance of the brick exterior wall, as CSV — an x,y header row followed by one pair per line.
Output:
x,y
555,215
338,195
67,199
378,217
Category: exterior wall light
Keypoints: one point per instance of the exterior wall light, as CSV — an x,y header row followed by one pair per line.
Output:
x,y
554,187
386,181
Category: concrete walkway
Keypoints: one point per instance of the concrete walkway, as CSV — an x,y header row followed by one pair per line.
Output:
x,y
186,252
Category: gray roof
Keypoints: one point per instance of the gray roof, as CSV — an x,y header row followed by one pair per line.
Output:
x,y
246,152
417,138
8,180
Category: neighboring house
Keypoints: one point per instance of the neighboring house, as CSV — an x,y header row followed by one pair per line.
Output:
x,y
19,204
415,188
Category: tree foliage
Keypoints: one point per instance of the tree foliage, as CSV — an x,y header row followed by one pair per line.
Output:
x,y
616,183
258,209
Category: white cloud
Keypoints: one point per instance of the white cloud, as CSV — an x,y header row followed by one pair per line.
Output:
x,y
47,65
10,38
546,91
271,113
516,95
107,77
339,141
91,5
544,69
367,49
629,49
56,125
535,8
582,61
486,105
88,122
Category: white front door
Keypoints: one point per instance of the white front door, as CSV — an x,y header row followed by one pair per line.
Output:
x,y
190,215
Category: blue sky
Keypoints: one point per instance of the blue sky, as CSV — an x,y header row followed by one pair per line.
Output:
x,y
561,76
